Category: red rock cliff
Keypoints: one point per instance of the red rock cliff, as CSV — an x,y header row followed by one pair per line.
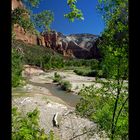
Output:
x,y
16,4
20,33
77,45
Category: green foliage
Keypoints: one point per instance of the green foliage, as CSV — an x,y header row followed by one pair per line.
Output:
x,y
90,67
109,7
86,72
20,17
100,74
48,59
56,62
66,85
97,104
75,12
39,56
114,47
29,21
43,20
27,127
108,104
92,63
16,67
57,77
13,36
31,3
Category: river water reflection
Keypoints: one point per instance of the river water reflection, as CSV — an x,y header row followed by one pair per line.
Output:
x,y
70,98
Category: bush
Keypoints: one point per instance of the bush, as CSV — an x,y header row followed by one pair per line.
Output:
x,y
27,127
101,74
66,85
97,104
92,63
17,65
86,72
57,77
90,73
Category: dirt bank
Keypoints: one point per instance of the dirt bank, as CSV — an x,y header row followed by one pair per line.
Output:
x,y
72,126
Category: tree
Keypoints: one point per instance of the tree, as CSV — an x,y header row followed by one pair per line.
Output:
x,y
73,14
110,104
115,45
43,20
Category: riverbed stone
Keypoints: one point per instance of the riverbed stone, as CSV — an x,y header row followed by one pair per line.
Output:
x,y
72,125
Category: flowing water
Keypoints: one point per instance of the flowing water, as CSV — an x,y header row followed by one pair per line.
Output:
x,y
68,97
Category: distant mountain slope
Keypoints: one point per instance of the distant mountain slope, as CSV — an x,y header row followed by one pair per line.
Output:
x,y
74,45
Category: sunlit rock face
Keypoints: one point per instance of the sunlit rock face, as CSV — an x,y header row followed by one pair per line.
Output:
x,y
21,34
26,37
16,4
75,45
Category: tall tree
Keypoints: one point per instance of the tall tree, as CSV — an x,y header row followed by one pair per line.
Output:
x,y
115,48
43,20
110,109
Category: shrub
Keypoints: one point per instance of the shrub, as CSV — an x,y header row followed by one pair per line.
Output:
x,y
66,85
86,72
101,74
90,73
82,72
92,63
97,104
57,77
27,127
16,67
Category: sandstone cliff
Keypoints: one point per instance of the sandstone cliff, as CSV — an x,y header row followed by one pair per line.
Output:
x,y
76,45
16,4
20,33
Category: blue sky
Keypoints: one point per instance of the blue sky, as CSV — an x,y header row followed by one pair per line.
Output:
x,y
92,23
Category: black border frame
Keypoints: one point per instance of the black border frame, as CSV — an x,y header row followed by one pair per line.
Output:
x,y
5,70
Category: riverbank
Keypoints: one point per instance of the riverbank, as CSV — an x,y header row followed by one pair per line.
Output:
x,y
77,81
32,96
